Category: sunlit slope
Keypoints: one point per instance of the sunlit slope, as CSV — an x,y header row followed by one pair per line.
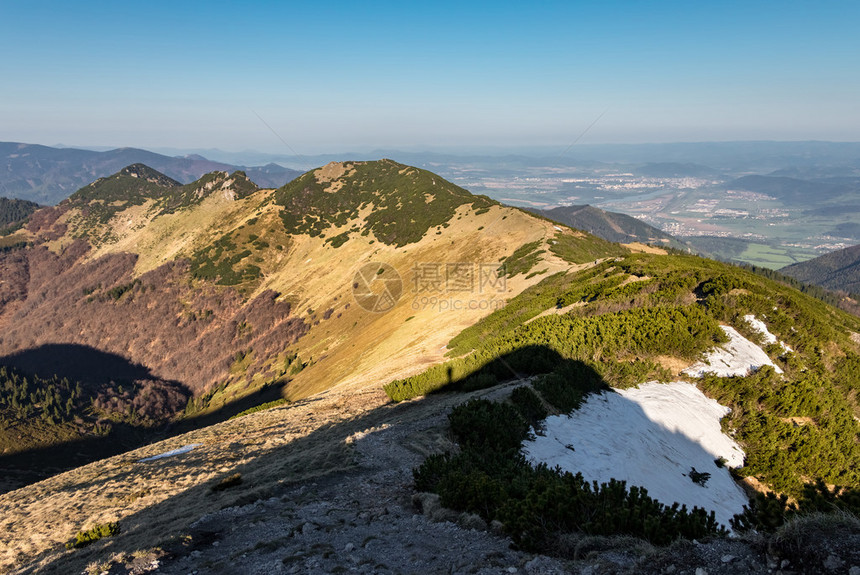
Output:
x,y
647,317
301,246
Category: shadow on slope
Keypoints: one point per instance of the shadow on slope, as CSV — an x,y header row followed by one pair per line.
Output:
x,y
477,371
272,450
77,363
123,406
256,446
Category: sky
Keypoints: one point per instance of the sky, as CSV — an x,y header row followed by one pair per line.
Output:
x,y
284,77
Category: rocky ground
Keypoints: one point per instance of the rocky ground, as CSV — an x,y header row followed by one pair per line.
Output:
x,y
369,520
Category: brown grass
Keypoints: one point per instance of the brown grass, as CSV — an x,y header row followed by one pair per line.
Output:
x,y
154,500
640,248
673,364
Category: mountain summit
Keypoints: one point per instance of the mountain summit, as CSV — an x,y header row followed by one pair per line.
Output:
x,y
397,203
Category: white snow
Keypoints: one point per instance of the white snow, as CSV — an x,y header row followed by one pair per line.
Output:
x,y
172,452
739,356
760,327
649,436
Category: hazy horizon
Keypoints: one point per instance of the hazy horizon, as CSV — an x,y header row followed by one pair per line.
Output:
x,y
313,79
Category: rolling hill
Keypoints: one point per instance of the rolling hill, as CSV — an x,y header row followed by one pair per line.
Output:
x,y
792,191
838,271
48,175
392,333
611,226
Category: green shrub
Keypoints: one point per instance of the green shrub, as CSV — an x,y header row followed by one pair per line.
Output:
x,y
490,477
529,405
262,407
93,534
699,477
488,425
522,260
768,512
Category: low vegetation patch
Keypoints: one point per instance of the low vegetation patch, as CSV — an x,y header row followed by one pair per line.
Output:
x,y
522,260
261,407
224,263
491,478
93,534
578,250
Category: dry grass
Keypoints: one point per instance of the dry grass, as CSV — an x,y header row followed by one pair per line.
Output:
x,y
155,502
821,534
673,364
640,248
152,500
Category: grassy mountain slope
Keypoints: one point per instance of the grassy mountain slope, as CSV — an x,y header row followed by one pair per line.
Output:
x,y
623,322
839,270
645,317
225,291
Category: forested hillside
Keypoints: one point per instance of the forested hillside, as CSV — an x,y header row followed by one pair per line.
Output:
x,y
839,270
610,226
638,318
14,213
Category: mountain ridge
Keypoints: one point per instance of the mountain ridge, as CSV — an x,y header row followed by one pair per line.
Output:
x,y
398,279
48,175
227,290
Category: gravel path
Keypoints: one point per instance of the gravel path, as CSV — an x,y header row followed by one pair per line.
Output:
x,y
362,521
368,520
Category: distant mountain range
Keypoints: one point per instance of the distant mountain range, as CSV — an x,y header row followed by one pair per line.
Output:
x,y
792,191
48,175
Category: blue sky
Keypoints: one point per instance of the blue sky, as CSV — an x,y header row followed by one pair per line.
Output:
x,y
361,76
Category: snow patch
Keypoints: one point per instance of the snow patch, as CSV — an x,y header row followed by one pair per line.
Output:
x,y
172,452
760,327
650,436
738,357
